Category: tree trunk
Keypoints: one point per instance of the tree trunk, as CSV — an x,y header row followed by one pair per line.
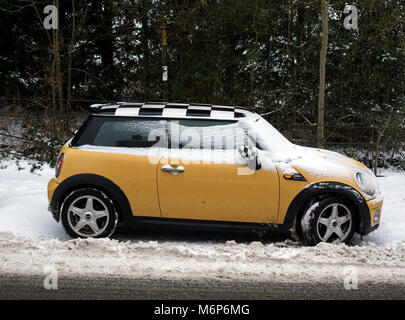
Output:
x,y
378,142
322,72
144,11
105,38
69,69
59,77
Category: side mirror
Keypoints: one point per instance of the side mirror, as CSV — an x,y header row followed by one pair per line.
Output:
x,y
251,155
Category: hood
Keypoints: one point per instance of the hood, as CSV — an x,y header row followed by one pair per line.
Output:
x,y
318,164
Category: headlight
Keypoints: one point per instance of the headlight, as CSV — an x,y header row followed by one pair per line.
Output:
x,y
366,183
377,216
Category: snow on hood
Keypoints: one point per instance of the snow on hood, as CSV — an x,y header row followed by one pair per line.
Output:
x,y
326,163
311,161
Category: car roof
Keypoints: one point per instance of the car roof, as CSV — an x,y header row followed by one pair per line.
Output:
x,y
170,110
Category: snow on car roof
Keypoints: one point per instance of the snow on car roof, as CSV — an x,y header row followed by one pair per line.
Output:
x,y
172,110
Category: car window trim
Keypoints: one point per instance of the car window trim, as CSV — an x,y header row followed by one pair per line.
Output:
x,y
167,119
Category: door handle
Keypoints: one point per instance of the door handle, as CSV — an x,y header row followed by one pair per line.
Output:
x,y
173,171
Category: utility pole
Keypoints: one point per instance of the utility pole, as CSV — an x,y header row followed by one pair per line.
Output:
x,y
165,68
322,72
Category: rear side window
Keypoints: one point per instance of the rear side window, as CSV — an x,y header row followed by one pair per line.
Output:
x,y
121,132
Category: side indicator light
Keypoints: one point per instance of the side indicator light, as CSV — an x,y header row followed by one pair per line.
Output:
x,y
294,176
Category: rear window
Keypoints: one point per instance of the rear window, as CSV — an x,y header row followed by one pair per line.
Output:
x,y
121,132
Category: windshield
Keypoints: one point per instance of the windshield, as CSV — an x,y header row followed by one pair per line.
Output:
x,y
266,136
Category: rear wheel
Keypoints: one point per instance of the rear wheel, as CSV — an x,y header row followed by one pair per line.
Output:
x,y
89,213
328,220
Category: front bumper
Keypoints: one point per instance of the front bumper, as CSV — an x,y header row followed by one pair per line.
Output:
x,y
375,205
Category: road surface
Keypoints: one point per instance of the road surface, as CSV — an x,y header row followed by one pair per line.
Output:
x,y
14,286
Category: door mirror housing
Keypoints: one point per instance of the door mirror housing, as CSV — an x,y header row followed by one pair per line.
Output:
x,y
251,155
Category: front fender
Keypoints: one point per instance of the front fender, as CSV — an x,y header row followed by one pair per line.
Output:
x,y
330,188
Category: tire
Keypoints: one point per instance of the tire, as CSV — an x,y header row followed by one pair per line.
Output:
x,y
328,220
89,213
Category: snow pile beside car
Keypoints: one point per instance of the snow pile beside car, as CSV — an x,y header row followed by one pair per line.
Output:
x,y
23,202
283,262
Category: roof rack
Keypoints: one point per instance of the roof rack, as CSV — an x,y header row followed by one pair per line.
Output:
x,y
171,110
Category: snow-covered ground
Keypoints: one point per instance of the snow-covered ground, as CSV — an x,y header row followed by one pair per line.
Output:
x,y
30,240
23,203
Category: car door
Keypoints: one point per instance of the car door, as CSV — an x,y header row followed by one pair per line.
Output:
x,y
204,180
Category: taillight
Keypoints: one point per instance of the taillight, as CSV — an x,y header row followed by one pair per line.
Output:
x,y
59,165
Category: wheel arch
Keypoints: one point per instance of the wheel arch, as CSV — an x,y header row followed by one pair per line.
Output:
x,y
337,189
90,181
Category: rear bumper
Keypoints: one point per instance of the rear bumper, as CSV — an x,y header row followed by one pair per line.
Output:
x,y
54,211
53,207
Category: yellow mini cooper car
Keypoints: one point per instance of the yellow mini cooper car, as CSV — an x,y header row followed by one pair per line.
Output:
x,y
187,165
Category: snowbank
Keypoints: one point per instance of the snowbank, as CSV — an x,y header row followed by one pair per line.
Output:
x,y
24,203
283,262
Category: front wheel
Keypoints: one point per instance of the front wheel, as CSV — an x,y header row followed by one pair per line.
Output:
x,y
328,220
89,213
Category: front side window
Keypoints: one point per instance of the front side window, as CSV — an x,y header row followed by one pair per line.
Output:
x,y
206,134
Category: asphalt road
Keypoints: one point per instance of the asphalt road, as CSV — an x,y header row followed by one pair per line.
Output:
x,y
13,286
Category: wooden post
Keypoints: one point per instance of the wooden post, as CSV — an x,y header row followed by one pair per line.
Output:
x,y
322,72
164,62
